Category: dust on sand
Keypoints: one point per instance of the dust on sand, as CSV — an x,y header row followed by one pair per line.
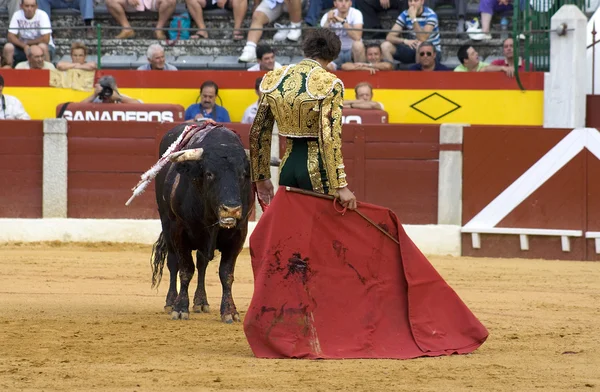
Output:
x,y
83,317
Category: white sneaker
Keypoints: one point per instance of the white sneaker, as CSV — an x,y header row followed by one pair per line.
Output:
x,y
281,34
294,34
248,55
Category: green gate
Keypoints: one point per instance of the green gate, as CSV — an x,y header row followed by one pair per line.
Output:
x,y
531,31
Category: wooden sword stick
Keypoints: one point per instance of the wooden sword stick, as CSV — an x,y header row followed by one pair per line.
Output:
x,y
330,197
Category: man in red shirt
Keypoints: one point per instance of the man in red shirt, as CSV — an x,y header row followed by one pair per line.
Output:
x,y
508,60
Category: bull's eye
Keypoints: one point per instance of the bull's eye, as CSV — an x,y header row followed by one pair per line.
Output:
x,y
209,176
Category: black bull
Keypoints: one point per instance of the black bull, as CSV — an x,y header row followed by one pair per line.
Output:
x,y
204,199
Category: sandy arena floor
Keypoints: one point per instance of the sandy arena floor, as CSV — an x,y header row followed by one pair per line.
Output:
x,y
83,317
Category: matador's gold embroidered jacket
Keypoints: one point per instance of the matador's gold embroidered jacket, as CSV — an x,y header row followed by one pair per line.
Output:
x,y
306,101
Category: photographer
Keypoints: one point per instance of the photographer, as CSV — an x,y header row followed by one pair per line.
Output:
x,y
106,91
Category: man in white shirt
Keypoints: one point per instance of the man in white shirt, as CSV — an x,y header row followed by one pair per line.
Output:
x,y
10,107
29,26
347,22
35,59
250,112
265,57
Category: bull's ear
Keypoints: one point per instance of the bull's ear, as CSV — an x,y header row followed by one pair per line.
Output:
x,y
193,154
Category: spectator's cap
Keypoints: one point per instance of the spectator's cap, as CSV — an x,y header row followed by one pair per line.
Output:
x,y
261,50
108,80
1,81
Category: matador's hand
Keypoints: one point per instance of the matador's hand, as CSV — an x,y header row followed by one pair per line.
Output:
x,y
347,198
265,191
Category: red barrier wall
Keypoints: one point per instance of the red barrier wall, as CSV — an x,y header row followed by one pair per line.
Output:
x,y
495,157
21,147
394,166
592,111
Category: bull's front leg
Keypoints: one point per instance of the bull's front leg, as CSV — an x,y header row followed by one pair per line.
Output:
x,y
200,298
181,310
229,313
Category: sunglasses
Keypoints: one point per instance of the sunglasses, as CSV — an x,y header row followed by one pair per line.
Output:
x,y
428,54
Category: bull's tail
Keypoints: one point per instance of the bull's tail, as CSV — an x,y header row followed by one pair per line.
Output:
x,y
157,260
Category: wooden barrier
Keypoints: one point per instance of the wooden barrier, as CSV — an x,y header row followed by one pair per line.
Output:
x,y
21,152
390,165
531,192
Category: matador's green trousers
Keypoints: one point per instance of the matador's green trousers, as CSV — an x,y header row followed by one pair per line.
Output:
x,y
302,166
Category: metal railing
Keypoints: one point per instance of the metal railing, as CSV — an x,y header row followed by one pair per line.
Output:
x,y
593,46
531,29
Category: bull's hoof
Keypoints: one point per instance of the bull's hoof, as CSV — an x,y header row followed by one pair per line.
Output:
x,y
201,308
175,315
185,316
168,309
229,318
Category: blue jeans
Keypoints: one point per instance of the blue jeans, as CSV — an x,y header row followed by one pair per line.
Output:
x,y
86,7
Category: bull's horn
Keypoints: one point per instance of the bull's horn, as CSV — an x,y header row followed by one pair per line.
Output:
x,y
186,155
247,152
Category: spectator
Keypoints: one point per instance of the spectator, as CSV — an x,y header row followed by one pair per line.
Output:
x,y
86,7
364,98
421,24
78,57
461,11
370,10
509,57
207,108
29,26
156,60
239,8
265,58
35,59
118,8
267,12
347,22
250,112
10,107
469,62
488,8
427,59
375,62
106,91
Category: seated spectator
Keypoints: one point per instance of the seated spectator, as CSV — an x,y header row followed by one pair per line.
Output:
x,y
10,107
509,57
86,7
421,24
427,59
250,112
239,8
78,56
469,62
488,8
460,7
364,98
347,22
371,10
267,12
156,60
375,62
29,26
119,8
207,108
106,91
265,58
35,59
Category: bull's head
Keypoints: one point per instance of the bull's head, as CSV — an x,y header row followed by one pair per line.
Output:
x,y
220,176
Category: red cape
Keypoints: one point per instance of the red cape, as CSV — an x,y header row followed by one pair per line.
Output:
x,y
328,285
